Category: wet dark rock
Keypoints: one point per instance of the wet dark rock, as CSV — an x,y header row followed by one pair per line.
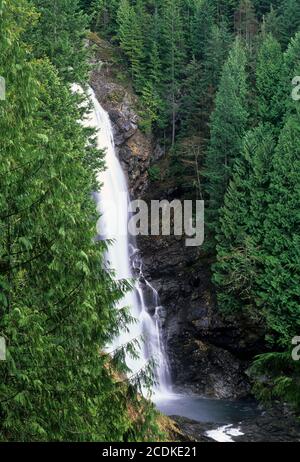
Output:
x,y
208,354
133,147
270,426
191,431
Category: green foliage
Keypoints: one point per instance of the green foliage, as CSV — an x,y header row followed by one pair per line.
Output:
x,y
280,281
271,24
103,14
228,125
263,7
154,173
270,83
246,22
58,305
258,262
201,82
59,35
173,52
203,22
239,257
131,38
231,128
192,75
282,380
292,69
289,12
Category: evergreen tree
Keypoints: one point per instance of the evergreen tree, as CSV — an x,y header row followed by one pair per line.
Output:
x,y
202,79
131,40
292,58
270,83
226,9
59,34
280,288
281,375
192,104
246,22
103,14
292,70
241,233
228,125
215,53
173,51
289,12
152,90
257,271
271,24
263,7
201,27
57,303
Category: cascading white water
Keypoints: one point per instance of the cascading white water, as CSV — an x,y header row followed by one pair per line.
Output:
x,y
123,256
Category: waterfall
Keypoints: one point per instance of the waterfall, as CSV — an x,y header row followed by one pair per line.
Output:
x,y
124,258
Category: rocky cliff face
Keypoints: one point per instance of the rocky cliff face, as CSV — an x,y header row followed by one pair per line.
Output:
x,y
208,354
133,147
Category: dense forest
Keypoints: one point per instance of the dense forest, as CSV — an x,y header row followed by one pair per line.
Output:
x,y
57,302
214,78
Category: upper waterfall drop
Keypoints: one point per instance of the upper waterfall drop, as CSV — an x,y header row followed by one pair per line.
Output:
x,y
123,258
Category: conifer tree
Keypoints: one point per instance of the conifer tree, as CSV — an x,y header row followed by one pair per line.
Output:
x,y
280,281
270,83
228,126
59,34
201,82
257,271
215,53
289,12
292,70
271,24
131,39
173,51
245,22
226,9
192,104
57,303
263,7
241,232
103,14
201,27
152,90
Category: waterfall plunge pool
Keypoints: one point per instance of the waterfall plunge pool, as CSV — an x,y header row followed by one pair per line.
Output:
x,y
121,258
203,409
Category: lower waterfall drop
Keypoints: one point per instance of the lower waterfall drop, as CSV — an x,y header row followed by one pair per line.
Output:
x,y
124,258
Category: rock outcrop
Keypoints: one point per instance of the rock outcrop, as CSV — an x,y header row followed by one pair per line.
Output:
x,y
208,354
133,147
198,341
272,426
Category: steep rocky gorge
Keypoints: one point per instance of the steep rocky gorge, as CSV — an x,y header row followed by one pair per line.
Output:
x,y
208,354
132,146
